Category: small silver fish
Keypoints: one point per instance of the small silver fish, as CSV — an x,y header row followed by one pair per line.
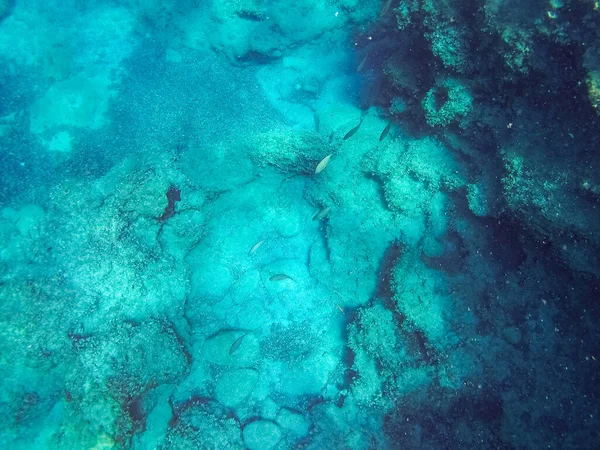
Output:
x,y
321,166
361,66
255,247
322,214
280,277
236,344
385,8
385,132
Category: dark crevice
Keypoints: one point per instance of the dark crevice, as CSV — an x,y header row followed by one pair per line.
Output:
x,y
384,289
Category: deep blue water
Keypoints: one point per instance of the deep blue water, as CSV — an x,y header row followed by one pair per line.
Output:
x,y
324,224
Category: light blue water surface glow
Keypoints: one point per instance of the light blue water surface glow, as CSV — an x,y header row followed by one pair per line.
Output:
x,y
319,224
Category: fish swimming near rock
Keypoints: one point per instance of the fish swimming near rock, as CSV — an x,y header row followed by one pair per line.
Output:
x,y
255,247
385,7
321,166
353,131
385,132
280,277
322,213
236,344
361,66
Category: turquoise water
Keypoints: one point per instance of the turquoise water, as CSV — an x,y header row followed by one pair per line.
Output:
x,y
322,224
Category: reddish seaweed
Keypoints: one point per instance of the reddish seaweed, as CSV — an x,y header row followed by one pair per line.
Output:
x,y
173,196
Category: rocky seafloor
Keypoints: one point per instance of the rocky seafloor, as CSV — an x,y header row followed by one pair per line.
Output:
x,y
319,225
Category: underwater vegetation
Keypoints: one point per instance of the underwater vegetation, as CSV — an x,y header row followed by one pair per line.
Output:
x,y
320,224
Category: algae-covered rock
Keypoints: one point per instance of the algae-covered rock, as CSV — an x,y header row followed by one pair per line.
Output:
x,y
289,151
423,297
484,197
593,86
449,100
591,61
450,43
549,202
293,422
375,334
210,279
379,354
410,179
203,426
261,435
512,335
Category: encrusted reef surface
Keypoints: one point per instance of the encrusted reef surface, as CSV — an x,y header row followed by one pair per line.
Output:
x,y
513,86
319,224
